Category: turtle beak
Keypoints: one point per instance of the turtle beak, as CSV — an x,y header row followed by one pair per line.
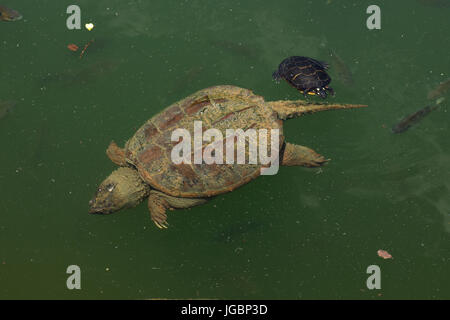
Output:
x,y
96,207
93,208
101,203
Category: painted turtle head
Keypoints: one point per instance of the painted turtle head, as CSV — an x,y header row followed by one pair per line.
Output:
x,y
324,91
321,92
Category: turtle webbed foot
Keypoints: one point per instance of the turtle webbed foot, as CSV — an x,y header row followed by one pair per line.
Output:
x,y
296,155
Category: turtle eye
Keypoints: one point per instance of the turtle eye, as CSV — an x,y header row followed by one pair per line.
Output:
x,y
110,187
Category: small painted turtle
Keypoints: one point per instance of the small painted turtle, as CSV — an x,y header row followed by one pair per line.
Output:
x,y
305,74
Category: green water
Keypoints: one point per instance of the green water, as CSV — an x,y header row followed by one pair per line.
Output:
x,y
303,233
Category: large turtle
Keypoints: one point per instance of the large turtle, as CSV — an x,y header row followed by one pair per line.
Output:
x,y
146,165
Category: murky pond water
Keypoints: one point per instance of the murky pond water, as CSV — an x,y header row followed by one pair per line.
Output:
x,y
303,233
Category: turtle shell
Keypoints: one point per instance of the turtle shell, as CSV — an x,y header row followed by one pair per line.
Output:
x,y
303,73
220,107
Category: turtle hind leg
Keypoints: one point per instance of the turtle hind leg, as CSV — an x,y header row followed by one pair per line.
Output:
x,y
116,154
158,203
297,155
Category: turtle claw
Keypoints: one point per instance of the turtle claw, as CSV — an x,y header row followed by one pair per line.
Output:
x,y
318,162
158,206
157,224
161,222
161,225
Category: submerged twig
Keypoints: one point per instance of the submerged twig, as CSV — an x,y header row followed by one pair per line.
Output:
x,y
85,47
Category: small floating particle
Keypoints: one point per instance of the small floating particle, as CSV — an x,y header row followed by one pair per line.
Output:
x,y
89,26
384,254
85,47
72,47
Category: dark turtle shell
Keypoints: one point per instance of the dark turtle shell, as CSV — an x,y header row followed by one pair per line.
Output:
x,y
305,74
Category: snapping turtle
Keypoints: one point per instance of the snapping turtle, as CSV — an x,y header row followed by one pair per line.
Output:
x,y
147,168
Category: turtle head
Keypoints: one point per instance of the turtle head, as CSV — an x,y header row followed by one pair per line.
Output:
x,y
123,188
323,91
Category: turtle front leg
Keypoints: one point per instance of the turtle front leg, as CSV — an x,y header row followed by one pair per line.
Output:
x,y
116,154
157,206
159,202
296,155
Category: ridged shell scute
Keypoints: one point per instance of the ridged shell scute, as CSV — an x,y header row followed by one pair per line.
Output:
x,y
220,107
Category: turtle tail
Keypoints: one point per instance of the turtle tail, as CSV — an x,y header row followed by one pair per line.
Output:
x,y
290,109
